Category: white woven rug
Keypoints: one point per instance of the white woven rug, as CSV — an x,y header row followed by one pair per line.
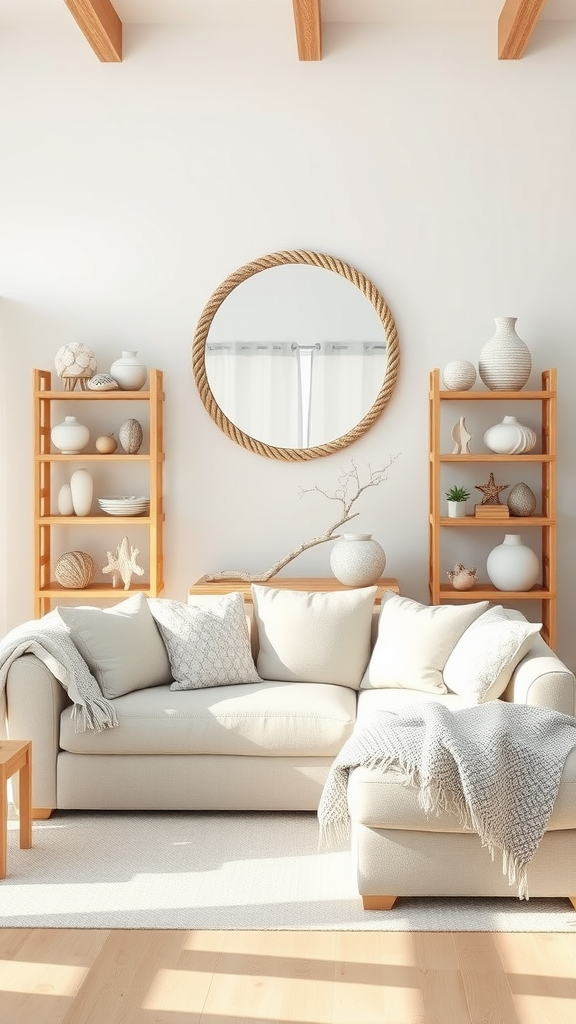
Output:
x,y
220,870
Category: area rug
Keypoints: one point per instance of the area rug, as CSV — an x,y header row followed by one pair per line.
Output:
x,y
188,870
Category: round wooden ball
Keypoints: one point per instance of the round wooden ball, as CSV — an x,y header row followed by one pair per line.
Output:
x,y
74,569
106,444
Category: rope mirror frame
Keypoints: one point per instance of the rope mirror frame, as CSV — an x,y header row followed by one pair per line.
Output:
x,y
276,259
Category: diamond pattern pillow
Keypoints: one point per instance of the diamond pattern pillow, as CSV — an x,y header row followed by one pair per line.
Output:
x,y
207,645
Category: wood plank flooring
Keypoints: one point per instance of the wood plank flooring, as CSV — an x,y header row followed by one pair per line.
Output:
x,y
53,976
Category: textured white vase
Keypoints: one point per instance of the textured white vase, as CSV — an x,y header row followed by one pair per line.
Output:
x,y
511,565
459,375
70,436
82,490
509,437
505,361
129,371
65,505
357,560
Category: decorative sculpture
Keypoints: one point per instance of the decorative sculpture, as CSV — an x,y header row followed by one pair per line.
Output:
x,y
75,363
491,491
461,438
123,564
462,578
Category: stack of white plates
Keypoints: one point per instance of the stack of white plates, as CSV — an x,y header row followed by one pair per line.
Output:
x,y
125,505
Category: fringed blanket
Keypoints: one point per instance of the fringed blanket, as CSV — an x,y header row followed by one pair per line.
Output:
x,y
496,765
50,641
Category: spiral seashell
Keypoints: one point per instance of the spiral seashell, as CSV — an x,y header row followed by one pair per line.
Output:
x,y
74,569
102,382
130,435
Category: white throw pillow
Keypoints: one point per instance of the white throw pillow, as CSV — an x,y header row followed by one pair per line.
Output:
x,y
207,645
121,645
414,641
313,637
482,662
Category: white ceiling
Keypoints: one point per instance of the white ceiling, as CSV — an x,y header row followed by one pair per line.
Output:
x,y
271,12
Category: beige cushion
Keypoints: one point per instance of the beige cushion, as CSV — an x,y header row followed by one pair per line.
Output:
x,y
207,645
414,642
482,662
313,637
121,645
261,719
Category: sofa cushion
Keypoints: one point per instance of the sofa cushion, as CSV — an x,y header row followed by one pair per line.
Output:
x,y
207,645
313,637
414,642
262,719
482,662
121,645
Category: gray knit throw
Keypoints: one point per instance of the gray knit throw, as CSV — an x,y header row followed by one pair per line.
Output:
x,y
496,765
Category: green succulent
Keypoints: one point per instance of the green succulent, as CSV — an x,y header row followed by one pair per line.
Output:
x,y
457,494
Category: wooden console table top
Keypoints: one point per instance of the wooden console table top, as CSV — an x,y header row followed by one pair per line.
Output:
x,y
307,583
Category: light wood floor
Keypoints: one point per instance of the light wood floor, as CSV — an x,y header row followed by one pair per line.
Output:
x,y
175,977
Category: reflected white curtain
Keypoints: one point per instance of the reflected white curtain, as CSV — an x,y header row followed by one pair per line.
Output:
x,y
346,380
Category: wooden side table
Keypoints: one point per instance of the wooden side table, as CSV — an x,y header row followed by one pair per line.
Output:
x,y
15,756
307,583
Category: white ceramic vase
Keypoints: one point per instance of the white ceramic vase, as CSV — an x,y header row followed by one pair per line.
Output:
x,y
70,436
511,565
505,361
82,490
509,437
65,505
459,375
129,371
357,560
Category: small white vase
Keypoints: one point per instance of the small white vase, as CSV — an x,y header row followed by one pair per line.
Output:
x,y
65,505
511,565
82,490
356,560
505,361
70,436
457,509
509,437
129,371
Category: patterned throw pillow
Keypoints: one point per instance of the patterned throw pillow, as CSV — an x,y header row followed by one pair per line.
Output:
x,y
207,645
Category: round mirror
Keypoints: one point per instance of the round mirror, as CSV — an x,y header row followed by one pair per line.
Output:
x,y
298,362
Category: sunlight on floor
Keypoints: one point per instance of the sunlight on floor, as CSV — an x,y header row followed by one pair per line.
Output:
x,y
41,978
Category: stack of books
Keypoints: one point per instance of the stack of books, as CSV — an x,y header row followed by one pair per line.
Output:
x,y
491,511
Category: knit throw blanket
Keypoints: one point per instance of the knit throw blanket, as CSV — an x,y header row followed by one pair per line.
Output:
x,y
496,765
50,641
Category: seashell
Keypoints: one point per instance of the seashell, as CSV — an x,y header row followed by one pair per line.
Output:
x,y
75,360
521,500
130,435
103,382
74,569
462,578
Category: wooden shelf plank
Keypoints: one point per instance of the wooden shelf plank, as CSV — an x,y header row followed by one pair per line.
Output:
x,y
517,21
100,25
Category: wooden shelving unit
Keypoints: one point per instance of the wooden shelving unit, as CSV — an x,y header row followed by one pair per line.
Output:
x,y
46,520
545,522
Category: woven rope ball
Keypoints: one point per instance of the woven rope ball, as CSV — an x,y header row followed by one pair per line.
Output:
x,y
74,569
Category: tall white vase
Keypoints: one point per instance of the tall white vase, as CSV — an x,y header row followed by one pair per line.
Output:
x,y
356,560
505,361
82,490
511,565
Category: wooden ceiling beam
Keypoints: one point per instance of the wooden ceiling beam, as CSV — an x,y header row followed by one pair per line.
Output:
x,y
308,22
517,21
101,26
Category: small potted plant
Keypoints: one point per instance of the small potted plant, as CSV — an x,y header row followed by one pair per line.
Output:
x,y
457,498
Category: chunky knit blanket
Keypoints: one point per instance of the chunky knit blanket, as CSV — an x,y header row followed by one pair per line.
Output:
x,y
50,641
496,765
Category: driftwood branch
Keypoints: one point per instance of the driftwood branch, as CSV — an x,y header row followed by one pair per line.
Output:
x,y
347,493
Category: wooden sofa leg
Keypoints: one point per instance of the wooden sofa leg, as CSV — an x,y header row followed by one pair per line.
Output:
x,y
378,902
573,901
41,813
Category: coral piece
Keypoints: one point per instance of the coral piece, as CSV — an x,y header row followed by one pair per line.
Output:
x,y
491,491
462,578
75,364
123,564
461,438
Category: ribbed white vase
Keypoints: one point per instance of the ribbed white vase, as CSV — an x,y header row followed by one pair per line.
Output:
x,y
511,565
509,437
356,560
505,362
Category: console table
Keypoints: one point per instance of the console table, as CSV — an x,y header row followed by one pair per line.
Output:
x,y
15,756
307,583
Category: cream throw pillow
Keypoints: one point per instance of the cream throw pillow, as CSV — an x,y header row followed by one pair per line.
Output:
x,y
482,662
313,637
208,645
414,641
121,645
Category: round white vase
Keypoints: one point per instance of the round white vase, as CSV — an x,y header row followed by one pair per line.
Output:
x,y
505,361
357,560
65,505
129,371
82,490
70,436
459,375
509,437
511,565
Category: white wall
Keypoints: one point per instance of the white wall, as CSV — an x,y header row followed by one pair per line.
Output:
x,y
129,192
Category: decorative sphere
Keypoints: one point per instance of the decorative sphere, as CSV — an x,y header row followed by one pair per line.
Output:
x,y
459,375
106,444
74,569
75,360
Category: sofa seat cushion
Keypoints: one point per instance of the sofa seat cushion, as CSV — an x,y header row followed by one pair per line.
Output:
x,y
262,719
382,800
372,701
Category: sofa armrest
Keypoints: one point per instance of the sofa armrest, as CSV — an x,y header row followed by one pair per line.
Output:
x,y
542,679
34,702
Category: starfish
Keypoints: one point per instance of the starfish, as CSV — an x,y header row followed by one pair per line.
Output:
x,y
491,491
123,564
